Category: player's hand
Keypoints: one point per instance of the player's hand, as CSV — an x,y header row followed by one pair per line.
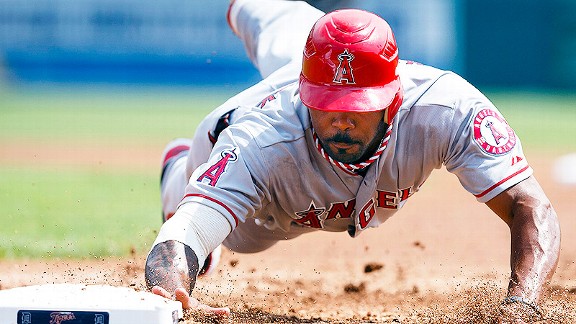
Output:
x,y
192,304
517,313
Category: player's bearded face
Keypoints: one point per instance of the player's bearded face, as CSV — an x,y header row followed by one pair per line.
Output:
x,y
349,137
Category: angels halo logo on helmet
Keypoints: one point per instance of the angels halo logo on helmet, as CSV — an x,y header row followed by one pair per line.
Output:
x,y
349,64
344,70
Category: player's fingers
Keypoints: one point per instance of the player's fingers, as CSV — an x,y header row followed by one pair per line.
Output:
x,y
188,302
161,292
192,304
216,311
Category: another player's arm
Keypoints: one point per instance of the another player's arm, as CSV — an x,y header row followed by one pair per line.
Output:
x,y
535,239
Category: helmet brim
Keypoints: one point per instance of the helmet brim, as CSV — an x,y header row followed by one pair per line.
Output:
x,y
347,98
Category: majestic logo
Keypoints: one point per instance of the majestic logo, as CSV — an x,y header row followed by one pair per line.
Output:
x,y
344,71
516,159
266,100
492,133
213,173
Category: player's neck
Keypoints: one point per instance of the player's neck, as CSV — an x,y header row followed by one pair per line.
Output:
x,y
375,144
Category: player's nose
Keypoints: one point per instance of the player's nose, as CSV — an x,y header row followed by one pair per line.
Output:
x,y
343,121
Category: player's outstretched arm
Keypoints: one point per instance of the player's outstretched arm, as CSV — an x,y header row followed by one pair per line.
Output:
x,y
535,246
171,270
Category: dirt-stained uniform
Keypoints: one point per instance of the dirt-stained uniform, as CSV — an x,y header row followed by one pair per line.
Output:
x,y
257,162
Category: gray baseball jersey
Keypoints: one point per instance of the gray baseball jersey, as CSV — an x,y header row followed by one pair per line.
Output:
x,y
266,168
267,165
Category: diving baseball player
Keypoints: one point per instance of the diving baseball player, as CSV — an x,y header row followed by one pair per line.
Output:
x,y
338,136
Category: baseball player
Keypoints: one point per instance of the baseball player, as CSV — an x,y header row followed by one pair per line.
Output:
x,y
338,137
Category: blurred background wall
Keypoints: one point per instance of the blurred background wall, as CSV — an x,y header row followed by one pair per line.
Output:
x,y
514,43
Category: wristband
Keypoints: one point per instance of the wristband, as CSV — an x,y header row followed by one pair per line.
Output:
x,y
200,227
522,300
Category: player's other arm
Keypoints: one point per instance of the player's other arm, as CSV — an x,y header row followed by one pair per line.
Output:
x,y
535,239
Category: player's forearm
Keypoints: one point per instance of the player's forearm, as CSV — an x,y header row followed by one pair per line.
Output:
x,y
171,265
535,234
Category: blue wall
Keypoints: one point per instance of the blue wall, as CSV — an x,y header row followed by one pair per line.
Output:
x,y
515,43
527,43
176,41
132,41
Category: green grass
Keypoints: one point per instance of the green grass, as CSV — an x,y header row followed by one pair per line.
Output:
x,y
70,210
76,212
103,115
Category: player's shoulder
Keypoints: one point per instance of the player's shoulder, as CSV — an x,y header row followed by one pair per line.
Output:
x,y
429,86
277,118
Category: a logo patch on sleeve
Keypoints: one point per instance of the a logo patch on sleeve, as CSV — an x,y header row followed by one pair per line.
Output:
x,y
492,133
213,173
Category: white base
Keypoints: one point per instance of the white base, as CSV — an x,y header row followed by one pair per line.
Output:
x,y
120,305
564,169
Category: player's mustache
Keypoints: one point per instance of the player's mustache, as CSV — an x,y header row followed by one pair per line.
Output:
x,y
342,138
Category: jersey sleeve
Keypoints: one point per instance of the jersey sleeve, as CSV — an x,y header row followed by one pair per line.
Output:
x,y
485,153
233,180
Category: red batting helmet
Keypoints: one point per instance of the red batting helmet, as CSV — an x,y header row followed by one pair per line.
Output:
x,y
349,64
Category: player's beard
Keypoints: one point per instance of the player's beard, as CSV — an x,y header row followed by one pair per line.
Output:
x,y
346,155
